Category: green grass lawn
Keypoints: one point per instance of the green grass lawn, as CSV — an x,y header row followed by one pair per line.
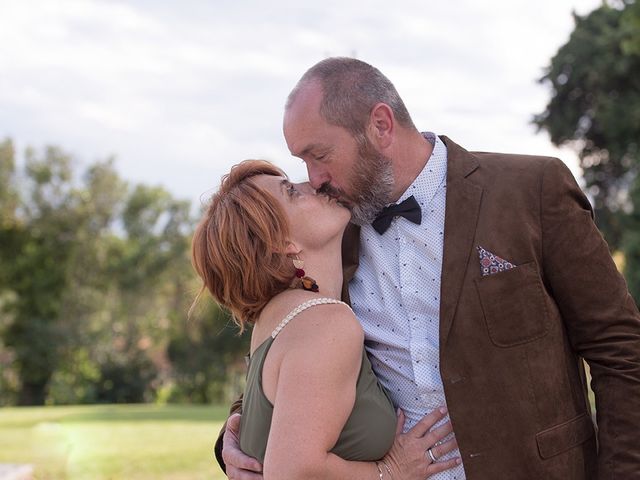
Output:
x,y
114,442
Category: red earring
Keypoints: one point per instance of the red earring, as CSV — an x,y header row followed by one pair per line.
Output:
x,y
299,264
307,283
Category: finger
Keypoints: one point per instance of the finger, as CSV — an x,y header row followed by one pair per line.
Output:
x,y
233,423
428,421
444,448
442,466
400,422
438,434
235,474
236,459
232,455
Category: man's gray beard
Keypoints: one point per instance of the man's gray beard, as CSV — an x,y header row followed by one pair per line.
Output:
x,y
372,184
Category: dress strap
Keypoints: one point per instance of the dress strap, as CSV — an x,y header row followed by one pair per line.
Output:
x,y
302,307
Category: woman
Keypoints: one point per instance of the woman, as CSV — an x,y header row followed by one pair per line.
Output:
x,y
312,406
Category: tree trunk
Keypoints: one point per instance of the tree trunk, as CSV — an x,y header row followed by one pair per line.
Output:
x,y
32,393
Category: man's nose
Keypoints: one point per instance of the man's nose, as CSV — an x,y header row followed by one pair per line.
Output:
x,y
317,176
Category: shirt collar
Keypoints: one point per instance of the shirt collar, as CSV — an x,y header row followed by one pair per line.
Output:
x,y
432,176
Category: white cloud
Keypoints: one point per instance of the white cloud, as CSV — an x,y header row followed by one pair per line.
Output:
x,y
180,91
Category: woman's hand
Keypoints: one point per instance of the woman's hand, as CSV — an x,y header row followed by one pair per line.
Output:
x,y
409,457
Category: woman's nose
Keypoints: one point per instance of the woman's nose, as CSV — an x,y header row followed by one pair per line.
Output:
x,y
306,187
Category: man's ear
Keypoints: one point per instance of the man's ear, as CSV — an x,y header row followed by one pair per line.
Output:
x,y
381,125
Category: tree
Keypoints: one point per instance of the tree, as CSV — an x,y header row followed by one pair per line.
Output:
x,y
150,274
37,242
206,355
95,285
92,272
8,205
595,107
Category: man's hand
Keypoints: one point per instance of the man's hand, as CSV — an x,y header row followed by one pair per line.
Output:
x,y
239,465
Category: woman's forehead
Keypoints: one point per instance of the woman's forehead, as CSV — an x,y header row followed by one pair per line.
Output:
x,y
271,182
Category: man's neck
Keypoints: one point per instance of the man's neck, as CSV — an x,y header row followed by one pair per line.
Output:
x,y
413,152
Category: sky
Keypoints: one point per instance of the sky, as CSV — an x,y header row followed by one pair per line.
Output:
x,y
177,92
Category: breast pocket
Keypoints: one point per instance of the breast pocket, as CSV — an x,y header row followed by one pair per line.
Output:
x,y
513,305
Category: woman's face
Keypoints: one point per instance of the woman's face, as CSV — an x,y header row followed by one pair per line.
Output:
x,y
313,219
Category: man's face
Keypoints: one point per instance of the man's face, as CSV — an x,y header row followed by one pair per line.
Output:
x,y
349,169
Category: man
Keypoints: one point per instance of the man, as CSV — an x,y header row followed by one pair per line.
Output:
x,y
485,287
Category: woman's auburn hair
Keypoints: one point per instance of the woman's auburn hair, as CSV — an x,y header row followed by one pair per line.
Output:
x,y
238,248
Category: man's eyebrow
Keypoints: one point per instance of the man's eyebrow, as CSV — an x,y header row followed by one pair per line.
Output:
x,y
309,148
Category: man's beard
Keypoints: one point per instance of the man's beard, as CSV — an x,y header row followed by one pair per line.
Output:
x,y
371,183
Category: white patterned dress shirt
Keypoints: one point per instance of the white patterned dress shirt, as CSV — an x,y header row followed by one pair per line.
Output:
x,y
395,294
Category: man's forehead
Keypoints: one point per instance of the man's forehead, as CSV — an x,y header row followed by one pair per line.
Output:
x,y
305,103
303,132
308,138
308,93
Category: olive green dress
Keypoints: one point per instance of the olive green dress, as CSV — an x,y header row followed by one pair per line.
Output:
x,y
369,431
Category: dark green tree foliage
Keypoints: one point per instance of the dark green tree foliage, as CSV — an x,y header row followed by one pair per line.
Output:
x,y
37,244
206,355
631,245
150,276
631,25
595,107
8,205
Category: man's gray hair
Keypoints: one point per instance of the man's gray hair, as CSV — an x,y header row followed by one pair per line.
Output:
x,y
351,88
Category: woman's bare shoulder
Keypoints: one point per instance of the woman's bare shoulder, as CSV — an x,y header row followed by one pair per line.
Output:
x,y
318,321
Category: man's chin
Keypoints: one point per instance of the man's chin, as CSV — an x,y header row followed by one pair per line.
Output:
x,y
360,218
364,213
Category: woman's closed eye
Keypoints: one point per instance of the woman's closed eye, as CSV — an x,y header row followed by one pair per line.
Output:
x,y
292,190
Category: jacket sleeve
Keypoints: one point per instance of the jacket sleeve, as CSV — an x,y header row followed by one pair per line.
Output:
x,y
236,407
600,316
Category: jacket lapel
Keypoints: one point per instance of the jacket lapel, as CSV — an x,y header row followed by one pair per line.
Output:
x,y
461,217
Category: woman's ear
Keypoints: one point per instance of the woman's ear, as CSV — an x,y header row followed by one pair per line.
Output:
x,y
292,249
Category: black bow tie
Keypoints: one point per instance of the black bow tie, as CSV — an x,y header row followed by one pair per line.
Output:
x,y
408,209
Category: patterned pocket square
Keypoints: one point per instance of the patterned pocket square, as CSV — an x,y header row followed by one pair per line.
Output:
x,y
490,263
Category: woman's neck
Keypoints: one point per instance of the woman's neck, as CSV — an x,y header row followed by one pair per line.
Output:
x,y
324,265
326,270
